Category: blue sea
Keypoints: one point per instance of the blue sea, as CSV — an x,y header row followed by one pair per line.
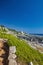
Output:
x,y
38,34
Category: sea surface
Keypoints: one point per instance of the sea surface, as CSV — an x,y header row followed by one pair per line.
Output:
x,y
38,34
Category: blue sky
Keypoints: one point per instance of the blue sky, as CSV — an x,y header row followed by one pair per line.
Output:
x,y
24,15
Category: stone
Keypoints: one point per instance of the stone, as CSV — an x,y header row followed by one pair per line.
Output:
x,y
4,52
12,62
12,56
12,49
1,59
1,63
30,63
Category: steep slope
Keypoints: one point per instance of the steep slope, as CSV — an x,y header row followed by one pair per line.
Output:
x,y
24,53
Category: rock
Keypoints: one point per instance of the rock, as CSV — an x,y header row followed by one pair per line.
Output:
x,y
30,63
12,62
1,63
1,59
12,56
4,52
12,49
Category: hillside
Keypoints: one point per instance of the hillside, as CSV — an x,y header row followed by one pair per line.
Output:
x,y
24,52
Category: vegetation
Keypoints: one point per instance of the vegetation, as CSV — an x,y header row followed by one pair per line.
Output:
x,y
2,28
13,30
24,52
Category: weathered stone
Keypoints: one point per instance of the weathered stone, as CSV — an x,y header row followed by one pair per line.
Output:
x,y
12,62
12,55
30,63
12,49
1,63
1,59
4,52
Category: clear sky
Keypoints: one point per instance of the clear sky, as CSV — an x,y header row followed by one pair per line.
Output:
x,y
26,15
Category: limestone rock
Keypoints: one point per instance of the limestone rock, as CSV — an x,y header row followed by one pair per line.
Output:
x,y
12,62
31,63
12,55
12,49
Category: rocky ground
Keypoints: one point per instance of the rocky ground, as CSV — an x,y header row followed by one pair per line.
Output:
x,y
4,52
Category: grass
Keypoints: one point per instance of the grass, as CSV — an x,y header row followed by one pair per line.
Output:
x,y
24,52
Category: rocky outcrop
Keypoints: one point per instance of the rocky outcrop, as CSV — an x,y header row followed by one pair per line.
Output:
x,y
7,54
4,52
12,56
30,63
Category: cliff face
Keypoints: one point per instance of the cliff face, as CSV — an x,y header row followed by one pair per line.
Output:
x,y
4,52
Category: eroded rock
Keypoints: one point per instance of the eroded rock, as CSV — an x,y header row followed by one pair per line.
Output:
x,y
12,56
4,52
